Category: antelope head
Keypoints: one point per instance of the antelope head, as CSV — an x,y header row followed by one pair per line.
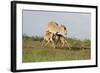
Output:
x,y
62,28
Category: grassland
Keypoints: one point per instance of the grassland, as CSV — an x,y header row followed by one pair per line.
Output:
x,y
33,52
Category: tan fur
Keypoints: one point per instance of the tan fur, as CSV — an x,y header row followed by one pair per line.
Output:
x,y
62,40
47,39
63,28
58,38
54,28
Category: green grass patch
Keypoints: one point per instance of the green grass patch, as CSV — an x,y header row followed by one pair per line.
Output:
x,y
33,52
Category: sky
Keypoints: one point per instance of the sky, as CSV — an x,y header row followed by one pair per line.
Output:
x,y
77,24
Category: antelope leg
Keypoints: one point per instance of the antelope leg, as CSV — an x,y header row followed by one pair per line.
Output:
x,y
42,43
68,44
